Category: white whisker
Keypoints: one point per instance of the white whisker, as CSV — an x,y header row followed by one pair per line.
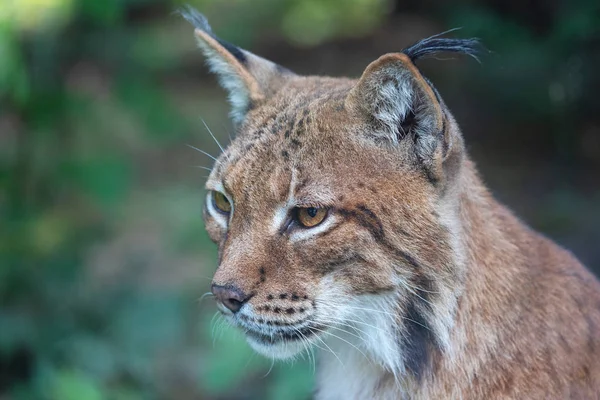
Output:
x,y
413,290
203,296
329,348
307,346
202,151
228,133
271,368
213,136
342,339
340,323
214,325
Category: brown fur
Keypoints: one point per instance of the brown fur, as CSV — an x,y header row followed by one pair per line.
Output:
x,y
479,305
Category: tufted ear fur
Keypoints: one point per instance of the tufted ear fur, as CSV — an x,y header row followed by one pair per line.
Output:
x,y
399,103
248,78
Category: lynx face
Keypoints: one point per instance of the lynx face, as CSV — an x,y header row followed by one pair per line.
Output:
x,y
333,208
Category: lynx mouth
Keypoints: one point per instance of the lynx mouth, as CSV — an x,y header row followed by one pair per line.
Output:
x,y
283,336
275,334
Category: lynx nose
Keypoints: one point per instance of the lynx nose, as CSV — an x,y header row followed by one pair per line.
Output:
x,y
230,296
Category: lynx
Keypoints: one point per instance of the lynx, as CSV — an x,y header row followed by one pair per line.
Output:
x,y
350,218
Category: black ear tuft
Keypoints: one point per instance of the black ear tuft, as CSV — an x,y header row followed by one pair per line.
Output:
x,y
434,44
200,22
195,18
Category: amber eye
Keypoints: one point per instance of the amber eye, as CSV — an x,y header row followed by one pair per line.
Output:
x,y
311,216
221,202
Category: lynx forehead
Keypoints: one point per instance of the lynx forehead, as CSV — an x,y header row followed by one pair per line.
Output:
x,y
349,218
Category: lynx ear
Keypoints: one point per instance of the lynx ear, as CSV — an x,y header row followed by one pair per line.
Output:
x,y
400,103
248,78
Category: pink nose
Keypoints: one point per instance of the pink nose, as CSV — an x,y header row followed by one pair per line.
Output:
x,y
230,296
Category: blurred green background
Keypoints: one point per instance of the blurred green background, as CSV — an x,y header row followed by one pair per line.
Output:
x,y
103,256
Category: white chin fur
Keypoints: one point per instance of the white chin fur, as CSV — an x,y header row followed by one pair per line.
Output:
x,y
280,350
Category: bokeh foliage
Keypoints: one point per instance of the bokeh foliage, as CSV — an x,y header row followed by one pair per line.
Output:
x,y
102,251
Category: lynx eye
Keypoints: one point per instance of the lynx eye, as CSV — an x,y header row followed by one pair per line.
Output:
x,y
221,202
311,216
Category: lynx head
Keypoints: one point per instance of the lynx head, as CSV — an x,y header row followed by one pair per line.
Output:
x,y
334,208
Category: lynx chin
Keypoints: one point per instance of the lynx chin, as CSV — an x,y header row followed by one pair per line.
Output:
x,y
350,218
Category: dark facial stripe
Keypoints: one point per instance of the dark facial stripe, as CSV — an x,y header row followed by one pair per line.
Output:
x,y
333,265
367,219
424,288
418,342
